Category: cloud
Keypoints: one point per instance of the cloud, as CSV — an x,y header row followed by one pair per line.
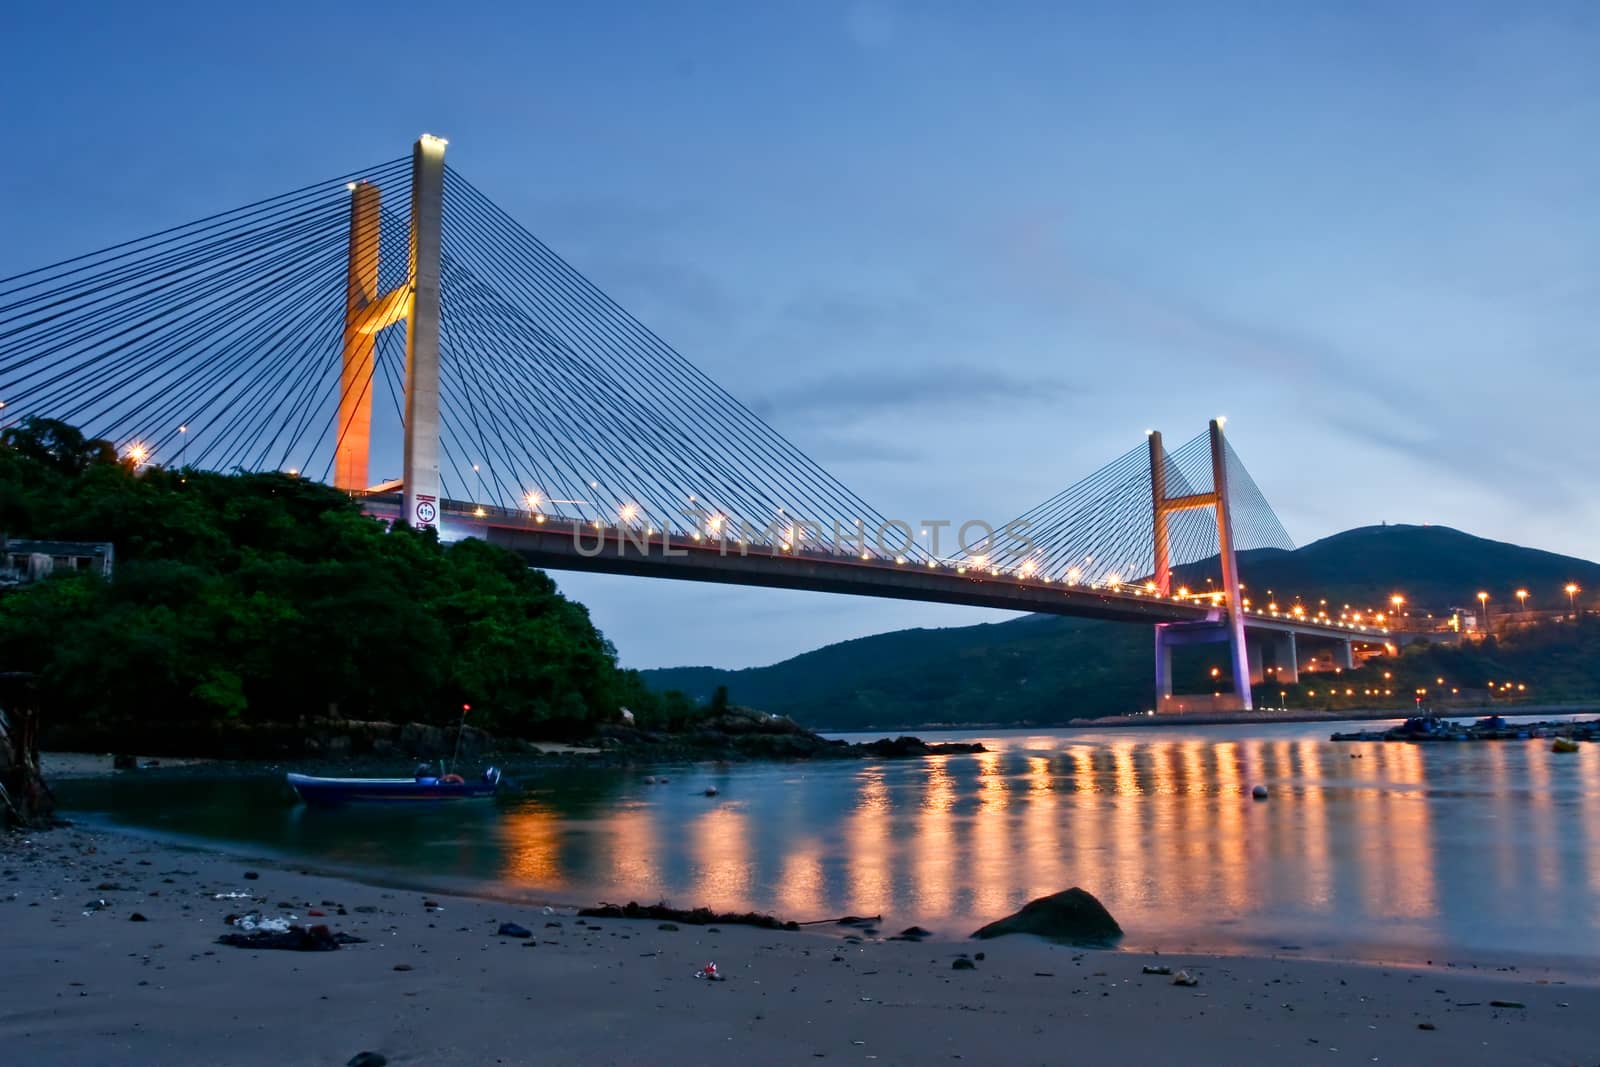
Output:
x,y
861,392
1046,275
1500,468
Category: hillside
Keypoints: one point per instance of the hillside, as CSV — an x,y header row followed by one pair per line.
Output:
x,y
1042,669
243,601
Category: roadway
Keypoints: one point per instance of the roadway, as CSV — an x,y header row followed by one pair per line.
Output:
x,y
555,543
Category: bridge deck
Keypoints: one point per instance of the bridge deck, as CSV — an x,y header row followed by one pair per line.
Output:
x,y
564,544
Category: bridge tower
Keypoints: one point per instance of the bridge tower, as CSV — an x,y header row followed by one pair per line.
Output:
x,y
1163,507
367,312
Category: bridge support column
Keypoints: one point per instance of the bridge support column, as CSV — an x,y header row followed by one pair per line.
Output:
x,y
1344,655
353,432
1258,671
1230,568
1285,659
1163,668
421,473
1158,496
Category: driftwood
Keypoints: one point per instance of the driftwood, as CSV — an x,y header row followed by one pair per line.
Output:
x,y
25,800
692,916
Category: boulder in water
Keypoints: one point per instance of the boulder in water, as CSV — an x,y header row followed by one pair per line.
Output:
x,y
1073,916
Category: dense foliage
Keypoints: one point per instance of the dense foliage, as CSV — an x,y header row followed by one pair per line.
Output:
x,y
269,598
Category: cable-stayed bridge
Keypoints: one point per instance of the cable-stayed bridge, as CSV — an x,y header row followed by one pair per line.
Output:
x,y
396,311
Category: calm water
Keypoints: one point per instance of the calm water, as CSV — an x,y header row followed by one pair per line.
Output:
x,y
1451,851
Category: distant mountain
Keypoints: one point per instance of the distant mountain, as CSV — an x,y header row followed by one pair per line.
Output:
x,y
1043,669
1433,566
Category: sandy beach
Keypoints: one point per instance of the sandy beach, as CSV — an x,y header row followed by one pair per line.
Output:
x,y
434,983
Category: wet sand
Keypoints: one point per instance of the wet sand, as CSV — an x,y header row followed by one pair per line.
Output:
x,y
84,984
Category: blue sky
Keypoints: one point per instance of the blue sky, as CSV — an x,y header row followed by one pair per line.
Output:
x,y
962,254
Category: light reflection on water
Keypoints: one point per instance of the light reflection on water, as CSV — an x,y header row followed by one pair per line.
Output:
x,y
1409,851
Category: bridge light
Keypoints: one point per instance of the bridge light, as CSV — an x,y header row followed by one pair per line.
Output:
x,y
714,524
350,186
1183,590
866,555
479,512
899,559
1114,581
628,511
138,453
1073,574
539,519
961,570
532,500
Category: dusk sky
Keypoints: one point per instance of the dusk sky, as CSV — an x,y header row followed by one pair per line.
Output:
x,y
961,254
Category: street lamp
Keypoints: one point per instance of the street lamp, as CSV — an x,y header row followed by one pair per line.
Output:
x,y
183,445
1483,609
1522,595
1572,593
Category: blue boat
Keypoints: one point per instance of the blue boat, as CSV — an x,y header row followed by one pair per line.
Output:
x,y
422,786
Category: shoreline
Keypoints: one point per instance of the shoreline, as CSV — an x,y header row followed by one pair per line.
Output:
x,y
1232,718
438,985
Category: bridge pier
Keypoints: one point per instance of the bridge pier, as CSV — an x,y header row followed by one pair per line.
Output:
x,y
1240,665
1258,670
421,472
354,429
1285,659
1344,655
1163,667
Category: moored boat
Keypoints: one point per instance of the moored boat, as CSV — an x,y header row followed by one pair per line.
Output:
x,y
420,787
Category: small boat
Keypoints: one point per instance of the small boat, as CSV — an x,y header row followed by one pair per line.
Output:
x,y
1563,744
422,786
